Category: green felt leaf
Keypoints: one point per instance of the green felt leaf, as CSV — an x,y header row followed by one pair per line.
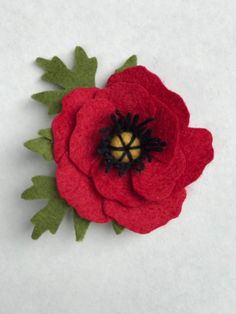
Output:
x,y
49,218
117,227
56,72
81,226
52,99
42,146
44,187
131,62
46,133
85,68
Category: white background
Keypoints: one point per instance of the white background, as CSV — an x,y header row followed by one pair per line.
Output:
x,y
186,267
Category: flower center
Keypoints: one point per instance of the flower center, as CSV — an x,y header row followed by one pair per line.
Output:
x,y
125,147
128,143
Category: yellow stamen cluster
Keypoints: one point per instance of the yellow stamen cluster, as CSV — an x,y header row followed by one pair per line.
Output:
x,y
116,142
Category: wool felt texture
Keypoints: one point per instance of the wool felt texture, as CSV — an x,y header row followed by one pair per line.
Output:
x,y
140,202
44,187
166,174
130,62
83,74
42,145
196,145
114,187
79,192
131,97
117,228
156,214
86,133
152,83
56,72
46,133
81,226
52,99
50,217
64,123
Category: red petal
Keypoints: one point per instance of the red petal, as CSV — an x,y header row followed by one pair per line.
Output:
x,y
154,86
130,98
114,187
63,124
144,219
157,180
197,146
86,136
79,192
165,126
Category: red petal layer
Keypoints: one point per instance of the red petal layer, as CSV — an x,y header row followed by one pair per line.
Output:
x,y
86,136
146,218
166,127
157,180
114,187
154,86
64,123
79,192
196,144
129,98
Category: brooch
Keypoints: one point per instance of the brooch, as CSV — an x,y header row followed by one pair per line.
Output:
x,y
124,153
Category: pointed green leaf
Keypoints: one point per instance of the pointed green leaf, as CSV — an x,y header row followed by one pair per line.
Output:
x,y
44,187
52,99
81,226
57,73
85,68
49,218
131,62
117,227
46,133
41,146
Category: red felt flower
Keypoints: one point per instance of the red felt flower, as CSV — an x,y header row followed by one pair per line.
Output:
x,y
126,153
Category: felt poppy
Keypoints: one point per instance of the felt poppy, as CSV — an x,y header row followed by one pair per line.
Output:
x,y
126,152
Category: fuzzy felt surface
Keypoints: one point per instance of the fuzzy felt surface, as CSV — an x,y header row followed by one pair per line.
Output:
x,y
78,190
129,97
114,187
46,133
42,146
49,218
57,73
166,127
86,136
81,226
52,99
142,201
64,123
130,62
44,187
143,219
82,75
159,179
117,228
197,147
152,83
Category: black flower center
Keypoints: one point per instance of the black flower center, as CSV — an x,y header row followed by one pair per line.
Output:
x,y
128,143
